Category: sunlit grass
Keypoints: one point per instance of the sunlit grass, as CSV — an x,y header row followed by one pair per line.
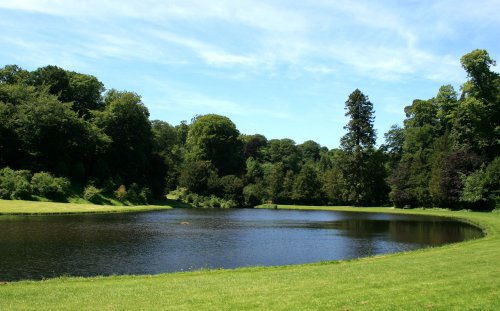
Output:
x,y
38,207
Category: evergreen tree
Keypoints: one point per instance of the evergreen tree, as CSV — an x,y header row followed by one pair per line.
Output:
x,y
360,133
359,174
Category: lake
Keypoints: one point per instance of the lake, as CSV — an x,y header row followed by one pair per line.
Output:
x,y
37,247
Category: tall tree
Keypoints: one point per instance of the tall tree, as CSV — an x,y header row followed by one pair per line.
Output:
x,y
360,133
359,171
477,120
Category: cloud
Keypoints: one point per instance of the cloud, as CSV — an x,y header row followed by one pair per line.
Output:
x,y
379,40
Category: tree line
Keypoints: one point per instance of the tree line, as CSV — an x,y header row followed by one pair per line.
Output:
x,y
60,128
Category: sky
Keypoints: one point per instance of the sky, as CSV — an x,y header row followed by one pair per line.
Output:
x,y
281,68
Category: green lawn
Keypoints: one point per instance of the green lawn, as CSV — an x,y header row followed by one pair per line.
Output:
x,y
35,207
454,277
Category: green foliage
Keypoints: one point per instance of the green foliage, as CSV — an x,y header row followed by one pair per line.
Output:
x,y
46,185
214,138
253,194
61,123
360,133
447,104
393,146
91,193
125,121
283,151
447,140
15,185
360,171
85,93
197,176
307,185
253,145
133,193
231,187
121,193
310,150
482,187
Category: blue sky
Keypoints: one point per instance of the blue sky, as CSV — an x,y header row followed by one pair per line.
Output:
x,y
281,68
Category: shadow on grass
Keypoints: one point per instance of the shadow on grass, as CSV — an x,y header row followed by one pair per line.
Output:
x,y
102,200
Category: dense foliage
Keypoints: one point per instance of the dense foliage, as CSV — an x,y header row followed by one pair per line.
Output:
x,y
59,127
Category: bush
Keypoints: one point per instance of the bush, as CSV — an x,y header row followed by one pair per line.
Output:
x,y
46,185
91,193
121,193
145,195
15,184
482,187
133,193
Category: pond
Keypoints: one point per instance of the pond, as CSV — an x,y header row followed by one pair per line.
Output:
x,y
36,247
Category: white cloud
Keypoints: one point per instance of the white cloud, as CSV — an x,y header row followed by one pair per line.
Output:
x,y
379,40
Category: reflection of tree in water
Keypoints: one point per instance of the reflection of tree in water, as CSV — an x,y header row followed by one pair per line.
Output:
x,y
421,232
432,232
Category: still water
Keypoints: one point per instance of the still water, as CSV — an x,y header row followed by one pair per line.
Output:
x,y
36,247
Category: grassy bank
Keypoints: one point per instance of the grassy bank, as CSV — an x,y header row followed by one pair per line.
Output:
x,y
35,207
458,276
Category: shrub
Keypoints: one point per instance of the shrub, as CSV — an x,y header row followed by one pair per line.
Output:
x,y
46,185
91,193
253,194
228,204
15,184
133,193
121,193
109,186
145,195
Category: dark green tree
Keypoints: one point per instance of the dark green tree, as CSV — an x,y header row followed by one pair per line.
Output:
x,y
310,150
307,186
215,138
361,167
283,151
360,133
125,120
85,92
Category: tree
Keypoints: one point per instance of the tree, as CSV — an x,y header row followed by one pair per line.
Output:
x,y
214,138
477,122
55,79
13,74
360,133
283,151
125,120
55,138
393,146
483,83
307,186
310,150
253,145
361,167
196,176
482,187
85,92
275,177
447,103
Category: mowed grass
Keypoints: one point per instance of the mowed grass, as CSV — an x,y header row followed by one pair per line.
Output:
x,y
464,276
18,207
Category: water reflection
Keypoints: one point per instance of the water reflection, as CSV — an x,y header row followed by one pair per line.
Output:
x,y
37,247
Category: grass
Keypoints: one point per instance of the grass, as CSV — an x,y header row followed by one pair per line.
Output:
x,y
18,207
464,276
